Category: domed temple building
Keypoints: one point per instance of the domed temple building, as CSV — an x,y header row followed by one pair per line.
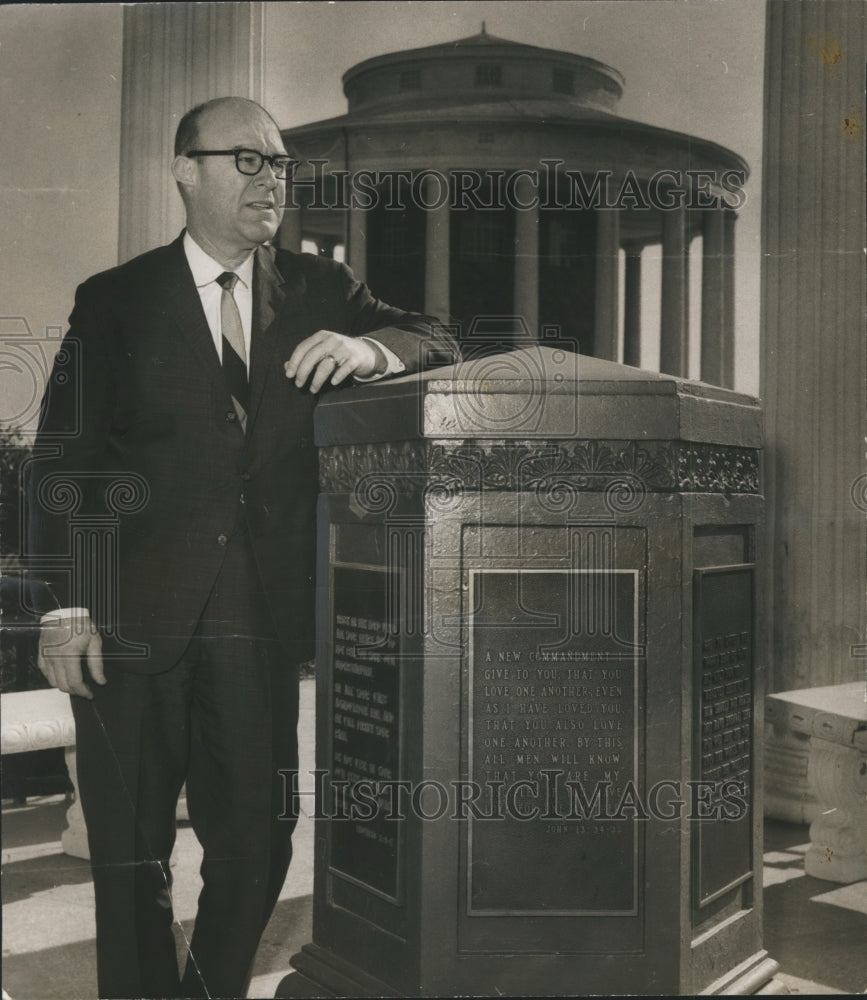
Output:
x,y
493,183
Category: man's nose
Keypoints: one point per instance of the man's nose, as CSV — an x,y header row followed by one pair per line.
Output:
x,y
266,176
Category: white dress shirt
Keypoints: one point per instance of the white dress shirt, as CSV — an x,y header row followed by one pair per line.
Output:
x,y
206,270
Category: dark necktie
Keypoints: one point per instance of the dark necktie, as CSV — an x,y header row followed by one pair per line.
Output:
x,y
234,352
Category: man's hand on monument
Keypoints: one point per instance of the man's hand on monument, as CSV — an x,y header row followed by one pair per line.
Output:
x,y
329,355
62,644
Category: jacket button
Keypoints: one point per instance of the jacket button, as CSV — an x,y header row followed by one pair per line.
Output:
x,y
231,416
222,539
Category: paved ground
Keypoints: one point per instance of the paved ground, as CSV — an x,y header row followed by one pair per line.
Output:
x,y
816,930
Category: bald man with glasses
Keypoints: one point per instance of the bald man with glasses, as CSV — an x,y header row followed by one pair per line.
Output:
x,y
195,369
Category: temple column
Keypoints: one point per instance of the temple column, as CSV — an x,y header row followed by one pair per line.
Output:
x,y
356,251
717,298
326,245
674,321
175,55
728,331
813,346
289,236
607,284
632,307
526,301
437,300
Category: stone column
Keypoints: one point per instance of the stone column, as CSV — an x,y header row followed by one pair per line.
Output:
x,y
290,234
356,252
437,300
326,245
713,304
813,346
632,307
674,321
607,284
526,301
175,55
730,219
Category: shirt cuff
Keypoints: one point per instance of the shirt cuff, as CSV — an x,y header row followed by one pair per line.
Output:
x,y
62,615
393,366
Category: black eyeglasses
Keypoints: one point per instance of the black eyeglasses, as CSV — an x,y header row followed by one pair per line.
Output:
x,y
250,161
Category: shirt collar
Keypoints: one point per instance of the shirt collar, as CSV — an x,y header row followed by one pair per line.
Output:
x,y
205,269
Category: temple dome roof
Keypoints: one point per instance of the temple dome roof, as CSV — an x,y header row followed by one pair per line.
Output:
x,y
481,64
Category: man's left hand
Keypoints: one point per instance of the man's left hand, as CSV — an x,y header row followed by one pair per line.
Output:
x,y
329,355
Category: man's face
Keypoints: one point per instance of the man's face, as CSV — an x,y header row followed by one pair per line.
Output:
x,y
228,212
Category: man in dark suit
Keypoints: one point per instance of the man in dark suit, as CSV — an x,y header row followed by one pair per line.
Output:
x,y
186,385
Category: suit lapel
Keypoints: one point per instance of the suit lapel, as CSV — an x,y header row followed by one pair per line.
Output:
x,y
184,306
272,295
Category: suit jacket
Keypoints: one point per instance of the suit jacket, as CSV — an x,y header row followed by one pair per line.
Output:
x,y
130,515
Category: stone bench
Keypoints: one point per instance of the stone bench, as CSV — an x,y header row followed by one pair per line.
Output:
x,y
816,772
42,720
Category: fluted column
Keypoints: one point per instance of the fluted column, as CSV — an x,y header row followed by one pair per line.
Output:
x,y
717,298
607,284
289,236
813,345
175,55
632,307
713,304
527,256
730,219
437,301
356,252
674,319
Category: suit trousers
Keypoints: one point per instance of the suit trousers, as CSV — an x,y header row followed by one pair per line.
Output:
x,y
224,720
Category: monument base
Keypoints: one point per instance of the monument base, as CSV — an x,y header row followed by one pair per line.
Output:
x,y
320,974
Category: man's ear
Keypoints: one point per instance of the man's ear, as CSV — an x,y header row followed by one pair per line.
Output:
x,y
184,170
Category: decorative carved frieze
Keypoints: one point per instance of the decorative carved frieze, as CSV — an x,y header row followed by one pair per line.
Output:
x,y
593,466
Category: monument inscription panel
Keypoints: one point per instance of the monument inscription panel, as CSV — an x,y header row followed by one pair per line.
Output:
x,y
553,742
365,743
723,669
